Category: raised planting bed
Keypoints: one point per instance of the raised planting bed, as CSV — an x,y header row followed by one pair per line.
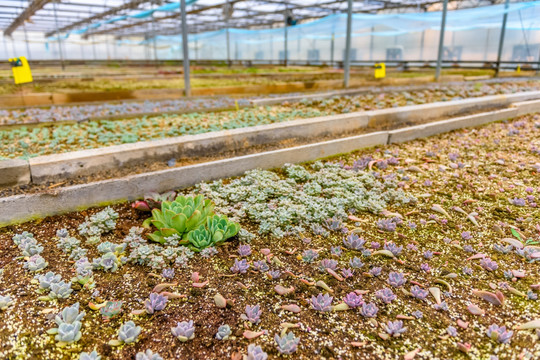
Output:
x,y
29,141
420,250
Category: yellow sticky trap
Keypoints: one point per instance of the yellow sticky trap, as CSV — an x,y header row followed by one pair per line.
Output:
x,y
236,104
21,70
518,70
380,71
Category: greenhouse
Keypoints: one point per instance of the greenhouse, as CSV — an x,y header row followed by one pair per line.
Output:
x,y
270,179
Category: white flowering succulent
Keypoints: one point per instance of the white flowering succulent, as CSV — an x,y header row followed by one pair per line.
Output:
x,y
127,334
35,263
90,356
148,355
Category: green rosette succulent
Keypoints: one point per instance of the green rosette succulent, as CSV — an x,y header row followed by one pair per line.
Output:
x,y
221,224
179,217
217,230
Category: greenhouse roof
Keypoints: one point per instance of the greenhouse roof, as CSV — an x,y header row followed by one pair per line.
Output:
x,y
124,18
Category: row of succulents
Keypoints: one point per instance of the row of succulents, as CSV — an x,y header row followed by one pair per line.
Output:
x,y
91,111
28,141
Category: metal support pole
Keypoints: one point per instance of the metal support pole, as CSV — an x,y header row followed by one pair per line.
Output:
x,y
501,39
347,63
228,44
286,45
58,37
154,40
422,44
27,45
441,41
187,84
371,44
332,50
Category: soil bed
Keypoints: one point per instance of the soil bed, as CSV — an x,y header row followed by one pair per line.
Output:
x,y
491,173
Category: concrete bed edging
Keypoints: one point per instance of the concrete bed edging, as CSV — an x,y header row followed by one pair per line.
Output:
x,y
68,165
20,208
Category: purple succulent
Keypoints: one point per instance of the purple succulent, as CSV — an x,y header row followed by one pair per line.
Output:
x,y
499,334
452,331
354,242
261,265
244,250
156,302
443,306
375,245
418,314
168,273
353,300
375,271
518,202
347,273
428,254
425,267
322,302
327,264
396,279
389,225
240,266
466,235
369,310
252,314
393,248
287,344
362,163
333,224
184,330
385,295
488,264
468,248
467,270
395,328
256,353
274,274
356,263
418,292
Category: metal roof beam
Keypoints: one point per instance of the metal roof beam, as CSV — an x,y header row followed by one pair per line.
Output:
x,y
32,8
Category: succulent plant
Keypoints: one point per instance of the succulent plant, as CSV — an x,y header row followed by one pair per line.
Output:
x,y
336,251
69,315
375,271
153,201
333,224
244,250
221,225
396,279
127,334
223,333
30,248
22,238
395,328
353,300
98,224
111,309
354,242
252,314
346,273
499,333
393,248
287,344
274,274
488,264
107,262
90,356
47,279
184,331
68,333
322,302
35,263
309,255
157,302
356,263
327,264
109,247
452,331
168,273
261,265
148,355
369,310
208,252
5,302
179,217
418,292
240,266
388,225
60,290
255,352
386,295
